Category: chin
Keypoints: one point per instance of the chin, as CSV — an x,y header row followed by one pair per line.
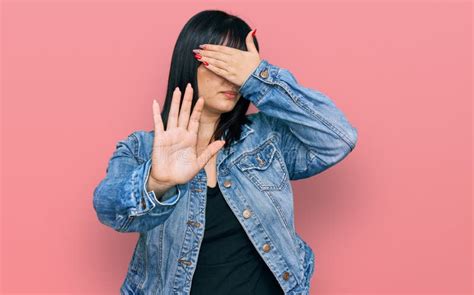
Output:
x,y
223,105
226,110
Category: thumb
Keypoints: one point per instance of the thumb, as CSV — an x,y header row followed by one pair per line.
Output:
x,y
249,41
209,152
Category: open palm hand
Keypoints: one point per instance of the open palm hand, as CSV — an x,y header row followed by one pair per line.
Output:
x,y
174,156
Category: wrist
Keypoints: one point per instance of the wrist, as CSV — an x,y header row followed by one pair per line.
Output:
x,y
158,186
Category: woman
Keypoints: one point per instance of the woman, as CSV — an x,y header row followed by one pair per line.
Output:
x,y
210,194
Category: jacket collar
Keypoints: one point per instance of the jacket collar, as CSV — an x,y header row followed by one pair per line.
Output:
x,y
246,131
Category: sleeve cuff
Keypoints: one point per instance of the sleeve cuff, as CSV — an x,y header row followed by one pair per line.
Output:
x,y
148,199
259,81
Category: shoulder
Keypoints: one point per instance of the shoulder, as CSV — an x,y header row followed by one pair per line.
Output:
x,y
140,142
265,125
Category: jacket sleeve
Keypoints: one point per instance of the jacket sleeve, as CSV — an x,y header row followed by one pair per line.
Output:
x,y
121,199
315,134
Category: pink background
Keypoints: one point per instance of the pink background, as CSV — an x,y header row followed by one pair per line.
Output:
x,y
395,217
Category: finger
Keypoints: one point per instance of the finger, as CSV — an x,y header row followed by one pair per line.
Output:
x,y
217,63
173,114
213,54
217,70
157,118
220,48
196,116
249,40
209,152
185,107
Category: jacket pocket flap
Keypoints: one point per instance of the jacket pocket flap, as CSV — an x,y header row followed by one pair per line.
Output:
x,y
260,159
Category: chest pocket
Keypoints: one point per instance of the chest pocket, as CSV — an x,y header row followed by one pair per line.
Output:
x,y
264,167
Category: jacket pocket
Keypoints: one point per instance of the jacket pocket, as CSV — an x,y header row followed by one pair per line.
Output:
x,y
264,166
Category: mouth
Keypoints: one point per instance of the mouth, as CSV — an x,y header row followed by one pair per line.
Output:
x,y
230,94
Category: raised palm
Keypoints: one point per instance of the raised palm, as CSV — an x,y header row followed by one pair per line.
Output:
x,y
174,156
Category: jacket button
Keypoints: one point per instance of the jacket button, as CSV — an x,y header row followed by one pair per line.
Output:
x,y
143,203
227,183
264,74
286,275
183,261
266,247
246,213
193,223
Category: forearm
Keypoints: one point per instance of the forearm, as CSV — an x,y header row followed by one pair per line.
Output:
x,y
311,114
314,133
122,199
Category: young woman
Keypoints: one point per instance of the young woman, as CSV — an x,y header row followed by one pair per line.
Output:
x,y
210,193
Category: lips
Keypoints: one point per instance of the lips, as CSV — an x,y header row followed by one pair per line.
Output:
x,y
230,92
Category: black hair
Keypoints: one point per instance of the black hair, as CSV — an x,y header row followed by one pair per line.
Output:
x,y
208,27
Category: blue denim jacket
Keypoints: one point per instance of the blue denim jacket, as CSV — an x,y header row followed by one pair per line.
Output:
x,y
297,133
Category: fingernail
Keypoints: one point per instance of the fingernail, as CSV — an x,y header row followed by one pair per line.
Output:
x,y
196,50
202,46
205,63
198,56
254,32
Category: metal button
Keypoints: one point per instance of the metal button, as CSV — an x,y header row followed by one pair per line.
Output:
x,y
143,203
266,247
227,183
194,223
286,275
183,261
264,74
246,213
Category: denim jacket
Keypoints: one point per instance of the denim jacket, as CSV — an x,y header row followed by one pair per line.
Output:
x,y
297,133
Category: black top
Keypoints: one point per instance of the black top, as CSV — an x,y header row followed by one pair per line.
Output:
x,y
228,263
